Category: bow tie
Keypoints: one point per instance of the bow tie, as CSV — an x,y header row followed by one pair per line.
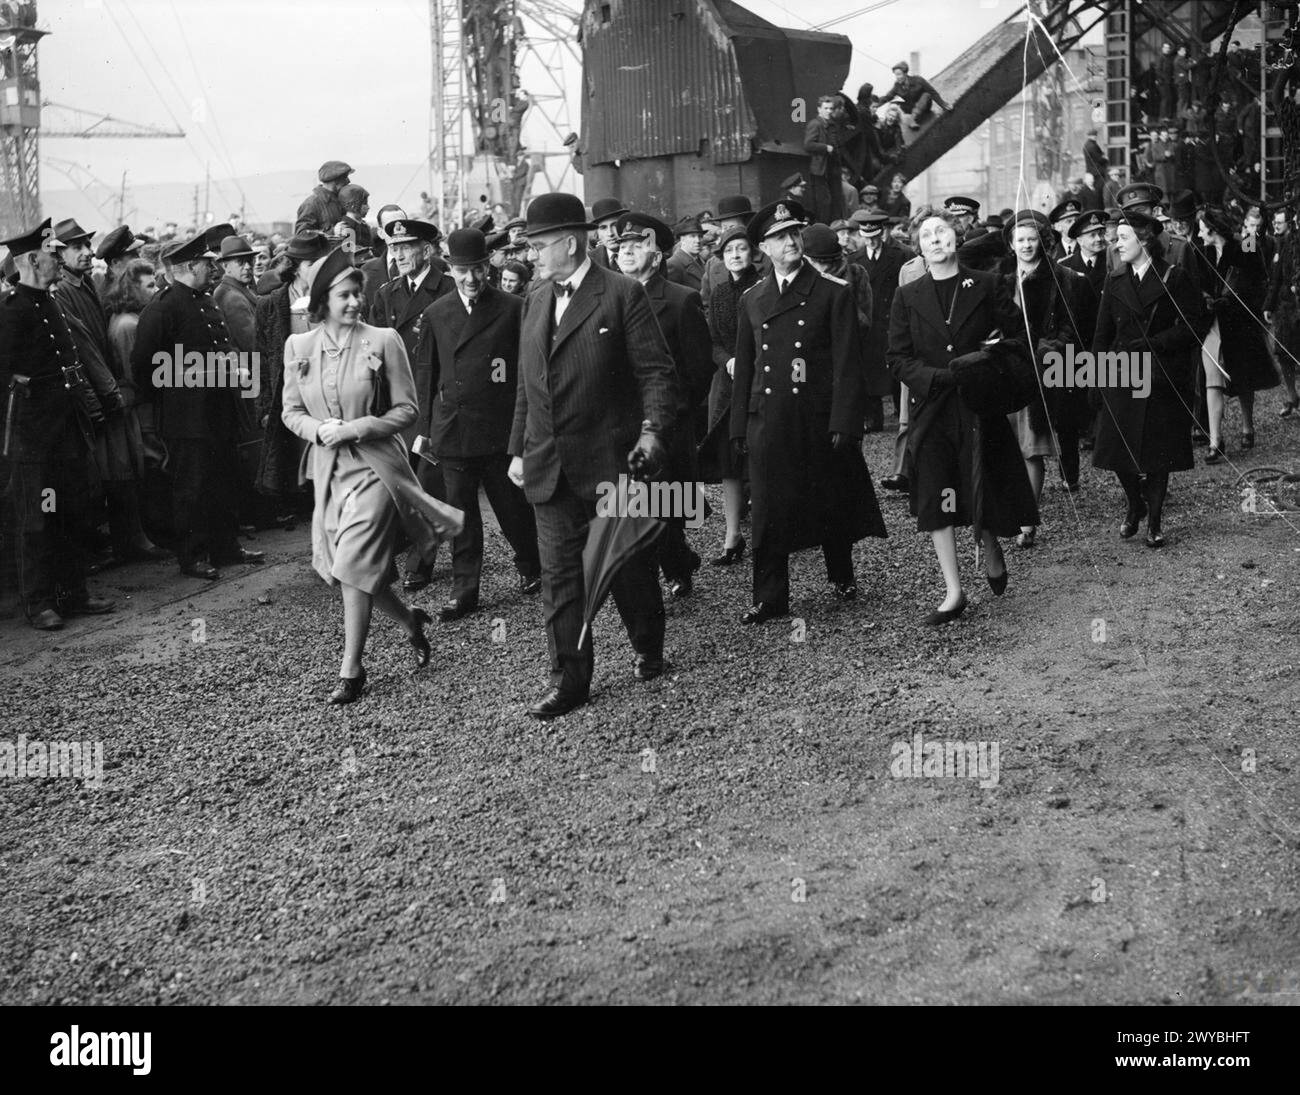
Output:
x,y
563,289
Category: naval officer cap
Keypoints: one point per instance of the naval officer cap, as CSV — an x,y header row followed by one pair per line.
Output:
x,y
777,217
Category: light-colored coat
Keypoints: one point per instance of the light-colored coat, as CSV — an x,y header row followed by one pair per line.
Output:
x,y
426,520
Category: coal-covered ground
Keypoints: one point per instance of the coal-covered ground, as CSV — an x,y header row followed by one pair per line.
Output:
x,y
729,833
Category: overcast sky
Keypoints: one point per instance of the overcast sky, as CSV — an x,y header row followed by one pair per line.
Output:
x,y
274,85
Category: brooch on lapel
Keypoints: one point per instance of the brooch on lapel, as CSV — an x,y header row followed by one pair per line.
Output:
x,y
967,283
303,365
369,358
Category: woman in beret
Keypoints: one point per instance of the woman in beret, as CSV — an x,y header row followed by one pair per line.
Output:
x,y
718,462
349,392
1147,308
966,467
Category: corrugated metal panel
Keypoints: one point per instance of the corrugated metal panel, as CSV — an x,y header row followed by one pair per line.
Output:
x,y
661,79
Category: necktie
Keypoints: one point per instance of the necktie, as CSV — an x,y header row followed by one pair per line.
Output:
x,y
563,289
411,283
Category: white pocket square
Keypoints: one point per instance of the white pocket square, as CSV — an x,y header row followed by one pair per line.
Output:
x,y
603,331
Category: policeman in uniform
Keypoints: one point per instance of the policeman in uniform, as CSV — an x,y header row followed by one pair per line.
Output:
x,y
798,409
197,408
474,339
403,304
47,432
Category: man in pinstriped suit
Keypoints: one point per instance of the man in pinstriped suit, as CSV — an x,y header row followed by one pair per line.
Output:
x,y
597,396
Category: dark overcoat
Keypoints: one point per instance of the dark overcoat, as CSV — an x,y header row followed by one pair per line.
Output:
x,y
798,380
395,306
1237,284
883,273
681,318
586,387
947,443
281,457
1154,434
477,368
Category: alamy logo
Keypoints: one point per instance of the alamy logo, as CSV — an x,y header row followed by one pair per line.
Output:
x,y
633,498
78,1047
1109,369
208,369
83,760
921,759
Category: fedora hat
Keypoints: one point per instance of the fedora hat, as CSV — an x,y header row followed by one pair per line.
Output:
x,y
308,246
467,247
551,212
70,232
235,247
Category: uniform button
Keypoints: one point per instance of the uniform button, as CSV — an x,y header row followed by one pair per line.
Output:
x,y
798,345
765,345
767,368
767,391
801,323
803,303
765,326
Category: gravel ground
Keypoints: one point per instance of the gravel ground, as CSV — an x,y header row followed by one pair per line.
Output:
x,y
729,833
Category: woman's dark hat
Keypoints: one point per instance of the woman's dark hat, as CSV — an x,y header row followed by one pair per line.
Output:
x,y
820,242
551,212
1031,217
336,267
308,246
467,247
777,217
735,232
642,226
1182,206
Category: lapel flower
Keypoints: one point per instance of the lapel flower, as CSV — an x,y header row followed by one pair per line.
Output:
x,y
967,283
302,364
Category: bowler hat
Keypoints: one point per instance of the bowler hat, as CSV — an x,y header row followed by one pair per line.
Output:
x,y
336,267
409,230
467,247
118,243
1182,206
551,212
604,209
642,226
38,238
820,242
308,246
235,247
734,207
70,232
774,218
333,170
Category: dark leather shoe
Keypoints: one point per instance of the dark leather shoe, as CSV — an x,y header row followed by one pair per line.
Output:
x,y
349,689
88,606
730,556
555,703
681,588
144,553
49,620
1155,539
456,608
647,668
412,582
243,555
942,616
419,641
530,584
896,482
1216,455
201,570
761,613
846,591
1132,519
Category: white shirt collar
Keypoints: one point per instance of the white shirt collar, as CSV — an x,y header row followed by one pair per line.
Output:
x,y
575,279
1140,269
466,301
419,278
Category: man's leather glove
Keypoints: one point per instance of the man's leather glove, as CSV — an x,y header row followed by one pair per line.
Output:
x,y
739,449
841,442
647,459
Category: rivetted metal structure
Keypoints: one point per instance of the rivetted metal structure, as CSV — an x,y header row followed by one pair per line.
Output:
x,y
686,100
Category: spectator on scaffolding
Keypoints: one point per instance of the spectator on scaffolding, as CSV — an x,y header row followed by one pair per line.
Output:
x,y
896,203
917,96
870,199
889,132
821,139
1166,83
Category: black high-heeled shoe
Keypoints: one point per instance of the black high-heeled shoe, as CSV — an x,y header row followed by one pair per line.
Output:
x,y
1128,528
1289,407
349,689
730,556
945,615
1216,455
998,584
419,642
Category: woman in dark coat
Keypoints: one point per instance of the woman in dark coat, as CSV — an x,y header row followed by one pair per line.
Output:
x,y
1143,438
1038,301
718,463
966,467
1235,357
